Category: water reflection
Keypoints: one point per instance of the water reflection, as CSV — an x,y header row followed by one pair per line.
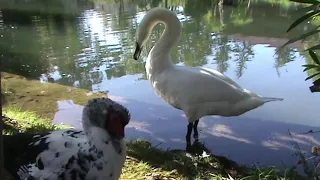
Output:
x,y
89,44
82,39
237,137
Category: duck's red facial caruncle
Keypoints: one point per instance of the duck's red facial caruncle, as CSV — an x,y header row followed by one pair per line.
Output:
x,y
115,126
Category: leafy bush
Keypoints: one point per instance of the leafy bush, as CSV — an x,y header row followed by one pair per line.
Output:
x,y
312,11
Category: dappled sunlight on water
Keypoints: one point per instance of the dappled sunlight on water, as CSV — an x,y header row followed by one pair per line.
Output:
x,y
139,126
276,145
225,132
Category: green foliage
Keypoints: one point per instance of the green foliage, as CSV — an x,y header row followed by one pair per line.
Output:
x,y
310,169
273,173
311,13
315,66
16,121
306,1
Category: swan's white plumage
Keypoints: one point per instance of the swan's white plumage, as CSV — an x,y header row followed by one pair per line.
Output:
x,y
197,91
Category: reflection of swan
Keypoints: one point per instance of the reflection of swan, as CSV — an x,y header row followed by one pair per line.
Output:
x,y
97,152
195,90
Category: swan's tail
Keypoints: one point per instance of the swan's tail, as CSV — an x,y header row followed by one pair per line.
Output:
x,y
269,99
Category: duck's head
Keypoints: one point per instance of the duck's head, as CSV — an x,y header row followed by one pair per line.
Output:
x,y
106,114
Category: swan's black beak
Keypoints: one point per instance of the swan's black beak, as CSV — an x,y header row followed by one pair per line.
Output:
x,y
137,52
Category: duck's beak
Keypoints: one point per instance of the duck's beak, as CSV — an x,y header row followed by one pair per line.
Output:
x,y
137,52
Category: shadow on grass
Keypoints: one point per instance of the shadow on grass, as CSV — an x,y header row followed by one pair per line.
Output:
x,y
3,98
9,129
9,125
199,163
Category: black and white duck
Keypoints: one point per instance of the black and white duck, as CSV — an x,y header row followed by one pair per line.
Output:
x,y
97,152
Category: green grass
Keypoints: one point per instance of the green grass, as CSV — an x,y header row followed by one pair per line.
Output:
x,y
41,98
26,121
145,161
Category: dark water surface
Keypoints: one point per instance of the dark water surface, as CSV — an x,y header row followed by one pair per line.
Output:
x,y
89,45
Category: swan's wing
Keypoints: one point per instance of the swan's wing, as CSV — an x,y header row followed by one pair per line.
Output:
x,y
223,77
198,85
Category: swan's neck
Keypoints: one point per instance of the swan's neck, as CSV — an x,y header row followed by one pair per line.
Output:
x,y
159,56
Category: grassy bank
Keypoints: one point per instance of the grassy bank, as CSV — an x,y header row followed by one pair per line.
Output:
x,y
145,161
29,106
41,98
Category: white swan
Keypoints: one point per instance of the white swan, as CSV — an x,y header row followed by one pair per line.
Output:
x,y
195,90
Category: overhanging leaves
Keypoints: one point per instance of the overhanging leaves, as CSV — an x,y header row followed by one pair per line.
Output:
x,y
306,1
307,9
310,66
314,57
303,36
309,12
313,48
312,76
303,18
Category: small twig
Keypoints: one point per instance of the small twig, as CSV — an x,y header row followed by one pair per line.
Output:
x,y
310,132
157,145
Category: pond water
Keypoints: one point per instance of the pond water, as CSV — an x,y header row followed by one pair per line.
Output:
x,y
90,44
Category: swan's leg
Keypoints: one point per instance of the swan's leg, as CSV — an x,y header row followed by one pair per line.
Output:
x,y
195,130
188,136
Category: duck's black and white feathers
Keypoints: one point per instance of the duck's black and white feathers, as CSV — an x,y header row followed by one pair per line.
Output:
x,y
97,152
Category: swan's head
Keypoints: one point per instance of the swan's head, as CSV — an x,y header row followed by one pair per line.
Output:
x,y
144,29
153,17
106,114
143,33
137,52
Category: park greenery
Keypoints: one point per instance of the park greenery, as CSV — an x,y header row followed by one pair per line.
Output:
x,y
311,14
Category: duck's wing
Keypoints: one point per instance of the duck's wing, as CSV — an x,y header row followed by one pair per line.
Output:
x,y
24,173
17,151
41,154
